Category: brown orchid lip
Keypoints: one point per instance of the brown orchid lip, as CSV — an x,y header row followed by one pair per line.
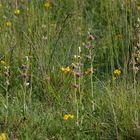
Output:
x,y
91,37
138,46
75,85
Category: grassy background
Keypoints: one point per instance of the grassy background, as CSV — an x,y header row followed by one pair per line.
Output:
x,y
35,94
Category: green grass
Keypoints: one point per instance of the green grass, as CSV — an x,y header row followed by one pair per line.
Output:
x,y
35,94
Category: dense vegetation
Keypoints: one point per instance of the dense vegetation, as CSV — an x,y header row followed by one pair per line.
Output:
x,y
69,69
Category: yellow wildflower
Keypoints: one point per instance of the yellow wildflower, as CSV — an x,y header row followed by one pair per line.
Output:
x,y
47,4
17,12
66,70
117,72
68,117
71,116
3,136
8,23
2,62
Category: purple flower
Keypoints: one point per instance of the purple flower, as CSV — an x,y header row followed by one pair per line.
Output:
x,y
90,47
23,75
78,74
24,67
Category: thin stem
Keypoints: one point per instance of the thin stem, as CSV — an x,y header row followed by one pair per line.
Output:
x,y
76,102
91,81
24,98
7,105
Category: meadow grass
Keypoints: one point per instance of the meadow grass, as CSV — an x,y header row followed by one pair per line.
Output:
x,y
69,70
